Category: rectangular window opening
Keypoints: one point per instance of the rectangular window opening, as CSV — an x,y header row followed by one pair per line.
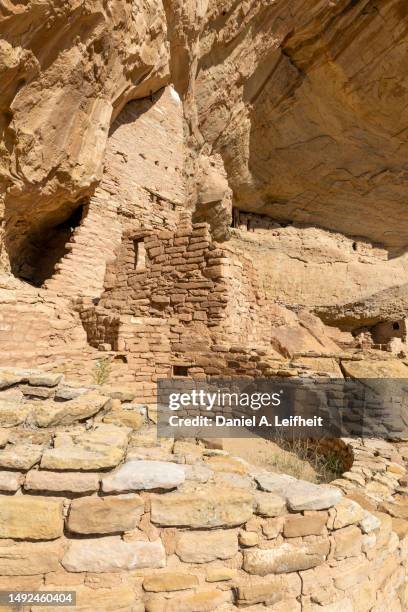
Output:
x,y
180,370
140,254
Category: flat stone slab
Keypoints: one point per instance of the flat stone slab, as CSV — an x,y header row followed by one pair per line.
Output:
x,y
15,376
144,475
299,494
202,506
10,482
104,515
70,393
29,558
30,518
280,560
206,546
12,412
112,554
78,458
20,456
49,413
60,482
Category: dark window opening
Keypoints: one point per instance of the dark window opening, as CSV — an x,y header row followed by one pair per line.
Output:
x,y
179,370
395,326
140,255
354,246
36,257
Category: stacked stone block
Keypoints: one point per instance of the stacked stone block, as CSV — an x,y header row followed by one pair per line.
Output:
x,y
92,501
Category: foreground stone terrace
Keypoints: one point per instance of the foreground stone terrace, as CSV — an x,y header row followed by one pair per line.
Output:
x,y
92,501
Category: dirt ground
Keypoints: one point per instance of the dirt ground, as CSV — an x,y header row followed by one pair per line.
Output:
x,y
266,454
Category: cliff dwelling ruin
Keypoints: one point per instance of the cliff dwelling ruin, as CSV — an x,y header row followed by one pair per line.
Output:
x,y
194,190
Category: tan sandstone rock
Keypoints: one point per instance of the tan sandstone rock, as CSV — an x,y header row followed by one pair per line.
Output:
x,y
64,413
111,554
205,546
59,482
169,581
20,456
29,558
202,507
103,515
30,518
281,559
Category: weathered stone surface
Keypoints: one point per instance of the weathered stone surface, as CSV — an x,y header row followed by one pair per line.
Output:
x,y
59,482
299,494
4,437
139,475
248,538
375,369
65,413
203,601
119,392
347,512
128,418
117,598
220,574
282,559
20,456
397,510
205,546
169,581
273,527
30,518
348,542
70,393
104,515
10,377
369,523
43,379
225,464
268,591
29,558
269,504
202,507
10,481
77,458
298,526
12,413
111,554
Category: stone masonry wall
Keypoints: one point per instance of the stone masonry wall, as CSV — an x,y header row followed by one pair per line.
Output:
x,y
92,501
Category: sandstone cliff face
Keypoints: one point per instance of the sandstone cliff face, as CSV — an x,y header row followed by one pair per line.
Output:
x,y
306,102
67,68
293,111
